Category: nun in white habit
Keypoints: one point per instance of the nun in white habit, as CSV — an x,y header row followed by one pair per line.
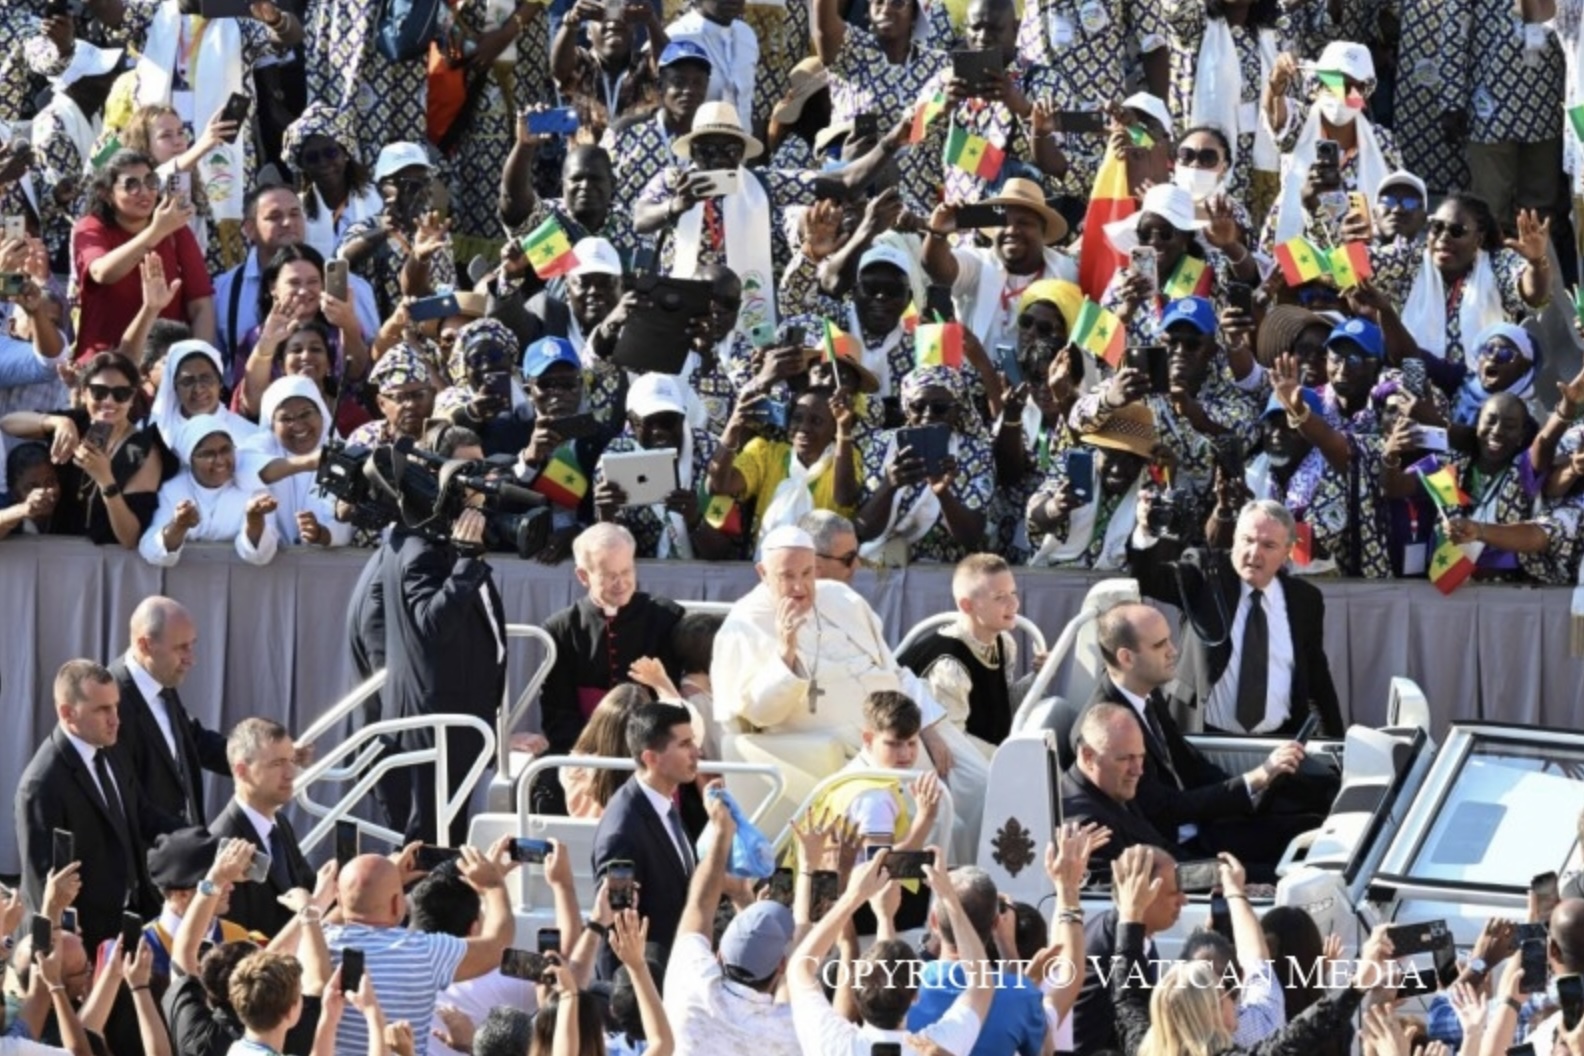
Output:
x,y
284,456
205,503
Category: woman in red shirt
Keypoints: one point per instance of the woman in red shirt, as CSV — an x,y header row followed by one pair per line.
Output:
x,y
127,221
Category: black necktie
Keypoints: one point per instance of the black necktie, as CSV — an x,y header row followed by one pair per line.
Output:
x,y
118,814
176,715
674,819
1151,702
1253,666
279,874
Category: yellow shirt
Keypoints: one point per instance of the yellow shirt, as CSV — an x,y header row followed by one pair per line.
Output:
x,y
763,465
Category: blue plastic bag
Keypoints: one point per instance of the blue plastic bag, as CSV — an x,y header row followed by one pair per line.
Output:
x,y
752,856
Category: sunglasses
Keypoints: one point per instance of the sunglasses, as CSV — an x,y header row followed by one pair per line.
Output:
x,y
937,408
1437,228
1409,202
118,393
558,385
1204,158
1040,327
846,560
1501,354
1155,236
321,156
134,184
882,290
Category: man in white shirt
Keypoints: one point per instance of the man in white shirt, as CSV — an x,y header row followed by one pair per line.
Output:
x,y
726,1004
886,980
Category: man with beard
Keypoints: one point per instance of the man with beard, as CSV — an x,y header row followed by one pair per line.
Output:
x,y
588,185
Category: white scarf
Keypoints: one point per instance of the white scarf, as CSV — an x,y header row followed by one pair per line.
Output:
x,y
913,525
1218,89
986,305
1372,169
793,497
1081,528
324,233
84,133
1425,313
674,529
733,53
215,74
746,219
876,360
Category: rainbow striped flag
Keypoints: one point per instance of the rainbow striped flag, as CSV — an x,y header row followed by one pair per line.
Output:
x,y
1300,261
724,515
938,345
925,112
1349,264
1099,332
973,154
562,480
548,249
1191,277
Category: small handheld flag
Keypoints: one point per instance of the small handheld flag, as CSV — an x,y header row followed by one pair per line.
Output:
x,y
549,250
938,345
973,154
1099,332
1349,264
1300,261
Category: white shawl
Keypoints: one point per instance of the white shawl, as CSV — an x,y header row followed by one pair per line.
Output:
x,y
876,360
674,529
792,498
324,232
216,74
747,221
1218,90
1425,313
1372,170
981,313
913,525
1081,528
84,133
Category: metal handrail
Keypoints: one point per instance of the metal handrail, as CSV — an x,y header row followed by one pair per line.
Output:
x,y
1053,661
510,714
708,608
343,707
599,762
447,805
945,818
929,623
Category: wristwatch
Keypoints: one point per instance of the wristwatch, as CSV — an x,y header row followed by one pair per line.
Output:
x,y
208,888
597,928
1478,966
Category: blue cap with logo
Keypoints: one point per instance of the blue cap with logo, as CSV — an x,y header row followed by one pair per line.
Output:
x,y
1195,311
683,51
546,353
1361,332
1310,396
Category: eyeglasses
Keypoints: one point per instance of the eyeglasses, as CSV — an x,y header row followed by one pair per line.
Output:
x,y
1041,327
846,560
197,381
1204,158
312,159
134,184
935,408
1437,228
413,396
882,291
1501,354
1410,202
118,393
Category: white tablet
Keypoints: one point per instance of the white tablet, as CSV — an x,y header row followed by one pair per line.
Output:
x,y
646,477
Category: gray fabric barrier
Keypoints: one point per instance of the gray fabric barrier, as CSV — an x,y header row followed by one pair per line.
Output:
x,y
273,642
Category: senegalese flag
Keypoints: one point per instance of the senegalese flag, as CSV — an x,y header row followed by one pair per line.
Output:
x,y
938,345
1099,332
549,250
1441,482
1109,200
1451,564
924,113
1575,116
562,480
910,318
1190,278
724,515
839,344
1300,261
975,155
1139,137
1349,264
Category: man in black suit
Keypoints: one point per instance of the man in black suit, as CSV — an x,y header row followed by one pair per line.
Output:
x,y
1101,785
263,762
76,784
642,824
1253,636
164,746
445,653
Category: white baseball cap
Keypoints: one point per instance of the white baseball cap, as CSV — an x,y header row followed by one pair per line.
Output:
x,y
595,256
394,157
656,394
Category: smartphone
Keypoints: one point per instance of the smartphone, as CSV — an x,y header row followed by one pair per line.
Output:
x,y
1526,1049
549,940
561,121
1240,295
258,869
523,964
773,413
1431,438
1151,361
796,337
1532,960
336,278
1006,361
615,10
1311,724
63,848
866,126
938,305
619,883
886,1048
1570,995
1359,205
573,426
351,969
98,435
13,283
497,386
430,858
43,933
980,216
1221,917
178,185
1201,875
131,932
719,183
440,306
57,9
826,886
69,920
1409,939
236,109
762,335
347,840
1081,122
908,865
1143,261
976,66
15,228
531,852
1078,463
929,442
1327,152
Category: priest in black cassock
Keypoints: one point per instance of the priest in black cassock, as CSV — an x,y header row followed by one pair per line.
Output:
x,y
597,639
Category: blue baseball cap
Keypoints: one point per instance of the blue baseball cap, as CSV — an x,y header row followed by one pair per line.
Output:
x,y
683,51
1310,396
1363,333
546,353
1195,311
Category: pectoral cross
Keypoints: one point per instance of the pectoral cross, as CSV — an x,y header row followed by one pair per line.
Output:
x,y
814,693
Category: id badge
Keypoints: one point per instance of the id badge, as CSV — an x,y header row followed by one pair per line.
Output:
x,y
1093,16
1414,559
1061,29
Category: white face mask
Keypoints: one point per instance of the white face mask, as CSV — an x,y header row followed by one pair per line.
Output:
x,y
1201,183
1336,110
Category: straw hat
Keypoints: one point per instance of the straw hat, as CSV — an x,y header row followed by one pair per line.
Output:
x,y
715,119
804,82
1026,194
1130,428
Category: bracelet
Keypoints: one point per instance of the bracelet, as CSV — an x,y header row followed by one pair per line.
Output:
x,y
1514,1004
56,988
1238,895
597,928
1295,420
843,439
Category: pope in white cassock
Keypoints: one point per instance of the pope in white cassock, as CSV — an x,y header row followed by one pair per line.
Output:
x,y
793,663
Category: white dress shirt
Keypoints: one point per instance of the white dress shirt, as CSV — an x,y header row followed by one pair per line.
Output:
x,y
662,806
265,827
88,751
1222,709
1141,706
151,690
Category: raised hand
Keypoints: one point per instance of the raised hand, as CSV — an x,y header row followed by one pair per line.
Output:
x,y
1534,236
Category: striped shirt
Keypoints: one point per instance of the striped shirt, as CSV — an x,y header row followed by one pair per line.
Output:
x,y
409,968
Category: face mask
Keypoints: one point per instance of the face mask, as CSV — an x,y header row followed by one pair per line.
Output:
x,y
1201,183
1336,110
